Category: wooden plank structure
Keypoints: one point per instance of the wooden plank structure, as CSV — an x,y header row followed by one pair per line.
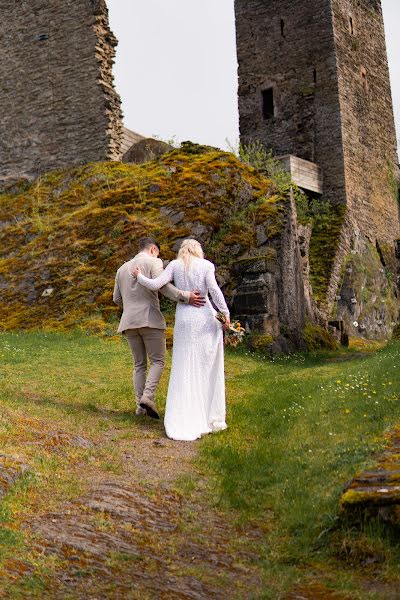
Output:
x,y
307,175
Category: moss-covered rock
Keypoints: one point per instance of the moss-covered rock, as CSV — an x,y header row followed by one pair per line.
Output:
x,y
376,491
318,338
396,332
327,223
63,237
367,300
260,342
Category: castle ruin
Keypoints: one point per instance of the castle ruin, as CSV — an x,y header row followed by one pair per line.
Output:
x,y
314,86
59,106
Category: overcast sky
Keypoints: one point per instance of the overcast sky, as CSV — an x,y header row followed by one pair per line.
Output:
x,y
176,67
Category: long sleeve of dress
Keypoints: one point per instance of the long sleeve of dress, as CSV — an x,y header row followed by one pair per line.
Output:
x,y
215,291
158,282
168,290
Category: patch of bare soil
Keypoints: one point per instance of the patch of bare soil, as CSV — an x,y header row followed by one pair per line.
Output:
x,y
133,536
316,592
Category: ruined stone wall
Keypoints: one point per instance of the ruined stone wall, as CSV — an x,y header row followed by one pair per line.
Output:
x,y
369,139
270,294
289,45
327,65
58,104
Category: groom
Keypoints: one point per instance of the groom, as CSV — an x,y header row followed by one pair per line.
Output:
x,y
143,323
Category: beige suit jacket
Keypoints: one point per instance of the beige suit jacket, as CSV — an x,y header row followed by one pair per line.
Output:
x,y
141,307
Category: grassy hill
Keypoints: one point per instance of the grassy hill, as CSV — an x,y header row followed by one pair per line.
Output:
x,y
63,237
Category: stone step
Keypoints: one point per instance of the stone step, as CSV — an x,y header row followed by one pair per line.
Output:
x,y
377,491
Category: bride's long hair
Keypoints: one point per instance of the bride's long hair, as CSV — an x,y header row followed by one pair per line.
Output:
x,y
190,249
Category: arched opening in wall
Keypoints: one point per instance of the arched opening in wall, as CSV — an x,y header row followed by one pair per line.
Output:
x,y
176,70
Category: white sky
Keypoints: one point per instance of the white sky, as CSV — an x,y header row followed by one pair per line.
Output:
x,y
176,67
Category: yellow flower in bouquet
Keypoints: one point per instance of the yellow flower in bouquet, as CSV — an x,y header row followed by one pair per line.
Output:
x,y
235,332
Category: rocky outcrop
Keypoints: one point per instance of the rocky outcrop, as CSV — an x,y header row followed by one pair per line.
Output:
x,y
78,227
377,491
124,534
367,301
145,151
270,296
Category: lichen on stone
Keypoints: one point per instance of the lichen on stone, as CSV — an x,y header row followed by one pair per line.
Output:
x,y
70,230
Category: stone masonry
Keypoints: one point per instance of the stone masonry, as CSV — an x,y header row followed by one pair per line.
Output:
x,y
58,103
314,83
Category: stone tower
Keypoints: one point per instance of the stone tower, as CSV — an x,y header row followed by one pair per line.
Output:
x,y
314,83
58,104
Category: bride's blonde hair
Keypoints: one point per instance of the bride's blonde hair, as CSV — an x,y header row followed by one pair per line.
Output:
x,y
190,249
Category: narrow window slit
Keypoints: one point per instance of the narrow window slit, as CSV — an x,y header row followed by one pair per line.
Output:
x,y
268,103
364,78
282,28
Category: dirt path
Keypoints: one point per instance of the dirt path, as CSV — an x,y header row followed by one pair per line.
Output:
x,y
137,535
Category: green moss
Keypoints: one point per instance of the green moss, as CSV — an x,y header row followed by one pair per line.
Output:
x,y
327,222
260,342
317,338
70,230
307,91
396,332
268,254
393,181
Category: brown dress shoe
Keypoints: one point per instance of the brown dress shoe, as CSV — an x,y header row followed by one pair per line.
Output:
x,y
150,408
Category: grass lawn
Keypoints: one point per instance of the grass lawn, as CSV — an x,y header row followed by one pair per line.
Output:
x,y
299,427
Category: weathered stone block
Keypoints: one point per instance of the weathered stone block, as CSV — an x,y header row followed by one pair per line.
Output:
x,y
314,86
59,106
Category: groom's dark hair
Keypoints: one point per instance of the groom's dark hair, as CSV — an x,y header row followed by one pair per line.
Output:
x,y
147,242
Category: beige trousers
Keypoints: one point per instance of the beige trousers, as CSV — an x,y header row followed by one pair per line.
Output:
x,y
146,342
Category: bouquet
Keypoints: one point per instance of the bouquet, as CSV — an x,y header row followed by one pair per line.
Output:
x,y
235,332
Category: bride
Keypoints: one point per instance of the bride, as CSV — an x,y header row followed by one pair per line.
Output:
x,y
196,392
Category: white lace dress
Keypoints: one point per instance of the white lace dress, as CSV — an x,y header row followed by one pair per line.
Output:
x,y
196,392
